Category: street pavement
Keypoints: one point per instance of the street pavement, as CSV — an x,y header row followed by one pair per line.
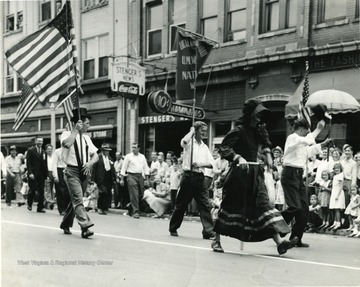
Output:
x,y
140,252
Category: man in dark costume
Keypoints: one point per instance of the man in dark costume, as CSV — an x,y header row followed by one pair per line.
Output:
x,y
245,212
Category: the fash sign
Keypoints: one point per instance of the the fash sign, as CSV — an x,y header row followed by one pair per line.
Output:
x,y
128,78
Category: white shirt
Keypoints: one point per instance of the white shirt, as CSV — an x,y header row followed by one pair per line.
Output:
x,y
106,163
324,165
135,164
297,149
13,163
69,156
349,169
117,165
201,153
49,162
57,161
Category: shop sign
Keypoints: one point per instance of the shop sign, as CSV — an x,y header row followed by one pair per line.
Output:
x,y
334,61
100,134
160,102
130,73
129,91
160,119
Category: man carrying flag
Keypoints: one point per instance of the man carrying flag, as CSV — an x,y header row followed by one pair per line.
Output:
x,y
299,146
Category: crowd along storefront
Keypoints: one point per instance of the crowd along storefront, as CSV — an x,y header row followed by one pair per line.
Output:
x,y
334,72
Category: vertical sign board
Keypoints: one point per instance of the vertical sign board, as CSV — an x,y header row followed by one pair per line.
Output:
x,y
128,79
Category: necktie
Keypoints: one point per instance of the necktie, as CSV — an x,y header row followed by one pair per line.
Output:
x,y
39,150
106,163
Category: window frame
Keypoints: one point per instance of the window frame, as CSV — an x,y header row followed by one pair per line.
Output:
x,y
284,6
10,74
149,6
203,19
86,5
170,35
14,15
229,34
98,56
321,13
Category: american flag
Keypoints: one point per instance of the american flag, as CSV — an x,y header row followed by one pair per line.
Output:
x,y
72,102
304,112
28,101
45,59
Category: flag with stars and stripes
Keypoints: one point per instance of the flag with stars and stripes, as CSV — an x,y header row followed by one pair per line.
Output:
x,y
45,59
71,103
304,112
28,101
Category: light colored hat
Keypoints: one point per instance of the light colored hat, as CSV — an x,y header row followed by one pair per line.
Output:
x,y
278,149
13,147
106,146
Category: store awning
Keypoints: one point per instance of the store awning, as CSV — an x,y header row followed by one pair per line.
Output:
x,y
344,80
16,140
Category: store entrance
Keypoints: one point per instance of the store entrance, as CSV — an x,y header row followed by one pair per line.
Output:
x,y
169,135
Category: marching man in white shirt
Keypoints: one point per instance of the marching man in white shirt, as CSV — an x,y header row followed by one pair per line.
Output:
x,y
299,145
78,150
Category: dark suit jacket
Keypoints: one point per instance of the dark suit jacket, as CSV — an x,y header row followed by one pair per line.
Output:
x,y
98,170
36,164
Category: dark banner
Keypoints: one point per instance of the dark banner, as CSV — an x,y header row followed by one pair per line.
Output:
x,y
192,53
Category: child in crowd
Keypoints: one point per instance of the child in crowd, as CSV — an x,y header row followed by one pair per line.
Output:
x,y
337,198
324,197
268,178
216,201
158,198
352,210
91,197
174,181
314,217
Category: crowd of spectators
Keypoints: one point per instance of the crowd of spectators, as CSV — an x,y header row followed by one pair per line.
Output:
x,y
332,180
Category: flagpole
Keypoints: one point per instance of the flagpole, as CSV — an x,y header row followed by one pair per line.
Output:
x,y
193,108
198,35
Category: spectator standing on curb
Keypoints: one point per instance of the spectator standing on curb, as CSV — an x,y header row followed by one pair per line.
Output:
x,y
135,167
80,154
103,174
13,176
36,164
49,182
62,192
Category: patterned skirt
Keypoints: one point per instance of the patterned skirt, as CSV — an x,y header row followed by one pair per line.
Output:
x,y
245,212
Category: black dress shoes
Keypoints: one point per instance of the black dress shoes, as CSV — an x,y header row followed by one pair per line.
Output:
x,y
208,236
284,246
20,203
67,230
41,211
302,244
85,233
102,212
174,233
29,207
216,246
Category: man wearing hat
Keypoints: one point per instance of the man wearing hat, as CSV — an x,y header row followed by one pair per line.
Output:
x,y
298,147
103,174
79,155
13,178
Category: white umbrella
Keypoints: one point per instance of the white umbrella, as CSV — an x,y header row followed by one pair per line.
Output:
x,y
335,101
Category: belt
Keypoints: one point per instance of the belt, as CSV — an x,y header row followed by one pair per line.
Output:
x,y
194,172
74,166
293,167
134,173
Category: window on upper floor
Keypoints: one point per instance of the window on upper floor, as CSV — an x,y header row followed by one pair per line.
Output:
x,y
278,15
86,4
235,20
177,16
49,9
13,15
331,10
12,81
96,59
208,18
154,26
357,8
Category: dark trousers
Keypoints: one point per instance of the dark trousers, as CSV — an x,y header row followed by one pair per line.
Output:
x,y
296,199
62,193
192,185
13,185
105,195
36,184
121,195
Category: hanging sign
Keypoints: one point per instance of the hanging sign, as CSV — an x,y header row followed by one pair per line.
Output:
x,y
127,75
161,103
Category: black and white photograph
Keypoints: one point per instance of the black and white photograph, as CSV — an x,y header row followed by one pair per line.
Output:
x,y
180,143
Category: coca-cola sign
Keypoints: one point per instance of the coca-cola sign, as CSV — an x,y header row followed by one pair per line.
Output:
x,y
127,90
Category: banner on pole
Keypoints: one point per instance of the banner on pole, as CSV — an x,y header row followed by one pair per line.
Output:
x,y
192,53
